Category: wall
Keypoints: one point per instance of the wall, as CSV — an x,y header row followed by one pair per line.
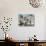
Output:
x,y
12,8
45,28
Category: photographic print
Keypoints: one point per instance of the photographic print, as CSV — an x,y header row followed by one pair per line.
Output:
x,y
26,20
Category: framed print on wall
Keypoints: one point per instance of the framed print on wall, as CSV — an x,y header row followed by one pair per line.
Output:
x,y
26,20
